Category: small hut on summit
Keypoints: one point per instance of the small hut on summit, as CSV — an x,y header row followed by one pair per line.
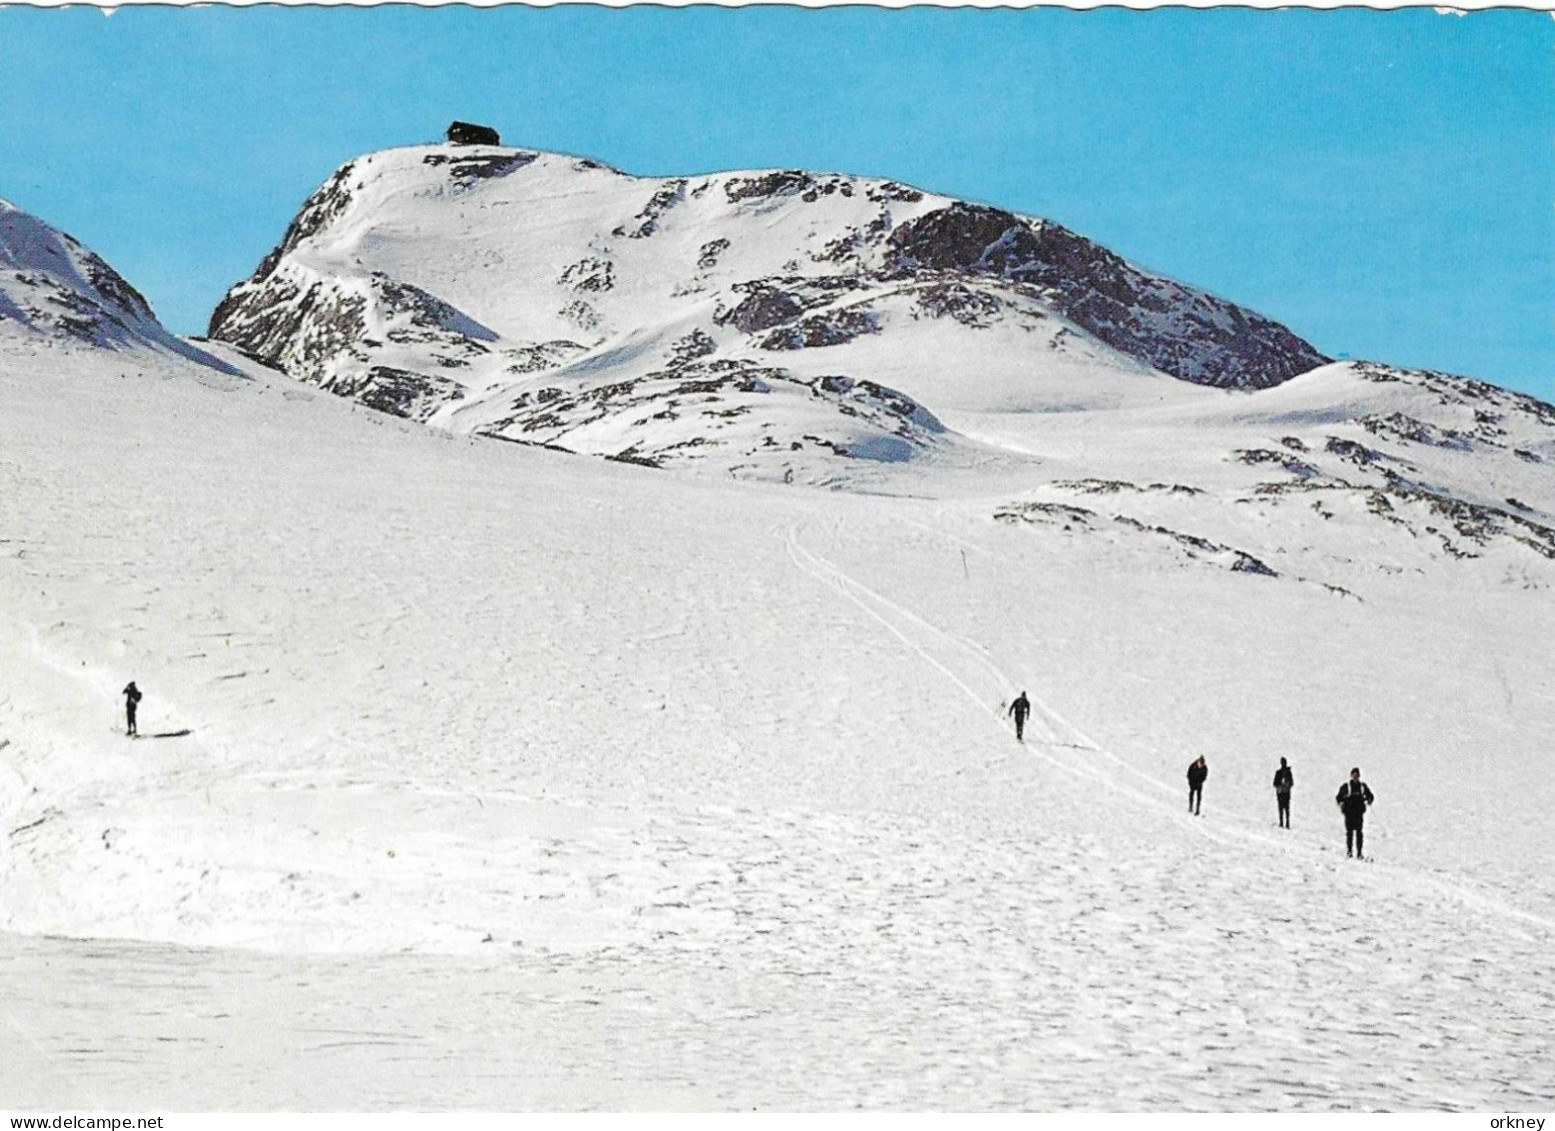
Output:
x,y
468,133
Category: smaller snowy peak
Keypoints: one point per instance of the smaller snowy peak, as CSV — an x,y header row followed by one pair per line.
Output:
x,y
53,288
51,284
1389,467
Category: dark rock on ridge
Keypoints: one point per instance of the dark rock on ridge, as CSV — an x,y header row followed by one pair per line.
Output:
x,y
1138,314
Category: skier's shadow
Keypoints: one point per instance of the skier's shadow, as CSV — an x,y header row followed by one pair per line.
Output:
x,y
168,734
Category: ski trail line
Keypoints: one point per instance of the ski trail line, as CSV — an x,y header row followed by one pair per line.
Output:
x,y
892,616
862,595
1086,742
873,602
822,570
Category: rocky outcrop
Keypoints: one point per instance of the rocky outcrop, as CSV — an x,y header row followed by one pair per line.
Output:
x,y
962,237
1178,330
320,328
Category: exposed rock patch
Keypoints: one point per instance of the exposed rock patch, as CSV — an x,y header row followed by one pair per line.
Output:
x,y
1187,334
711,252
590,274
646,222
829,328
398,392
465,169
956,300
784,182
1397,426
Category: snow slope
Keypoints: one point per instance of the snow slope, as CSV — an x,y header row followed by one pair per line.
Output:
x,y
709,322
483,775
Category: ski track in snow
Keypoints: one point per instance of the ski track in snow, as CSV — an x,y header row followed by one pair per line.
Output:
x,y
518,781
936,647
933,644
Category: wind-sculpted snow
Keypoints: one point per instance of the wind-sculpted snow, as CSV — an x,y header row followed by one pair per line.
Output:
x,y
327,203
876,280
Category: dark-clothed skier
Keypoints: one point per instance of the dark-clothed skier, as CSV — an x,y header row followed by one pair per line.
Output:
x,y
131,700
1353,797
1283,781
1020,709
1197,772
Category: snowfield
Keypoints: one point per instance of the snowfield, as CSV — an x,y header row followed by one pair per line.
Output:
x,y
479,775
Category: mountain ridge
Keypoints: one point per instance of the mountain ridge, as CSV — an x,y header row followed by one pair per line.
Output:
x,y
53,287
436,281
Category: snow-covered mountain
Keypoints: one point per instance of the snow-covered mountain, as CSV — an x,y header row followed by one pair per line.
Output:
x,y
832,329
761,322
52,289
571,783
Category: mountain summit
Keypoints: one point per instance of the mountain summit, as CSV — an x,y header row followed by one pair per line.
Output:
x,y
735,316
52,288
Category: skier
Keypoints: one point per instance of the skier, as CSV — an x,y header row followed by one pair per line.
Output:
x,y
131,700
1353,797
1020,709
1283,780
1197,772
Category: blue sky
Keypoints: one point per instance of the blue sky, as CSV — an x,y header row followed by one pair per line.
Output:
x,y
1382,182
